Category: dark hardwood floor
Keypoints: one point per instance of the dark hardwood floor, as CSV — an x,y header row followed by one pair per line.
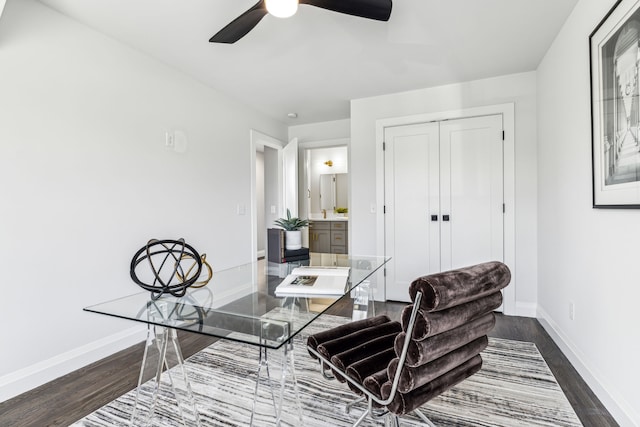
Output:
x,y
584,402
68,399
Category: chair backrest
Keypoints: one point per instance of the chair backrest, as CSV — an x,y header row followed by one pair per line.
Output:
x,y
454,315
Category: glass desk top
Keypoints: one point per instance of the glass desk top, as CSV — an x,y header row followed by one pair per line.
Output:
x,y
240,303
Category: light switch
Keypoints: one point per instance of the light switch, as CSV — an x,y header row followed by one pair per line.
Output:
x,y
180,141
176,140
241,210
168,140
273,209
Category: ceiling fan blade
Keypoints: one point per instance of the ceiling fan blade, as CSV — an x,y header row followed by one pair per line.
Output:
x,y
372,9
240,26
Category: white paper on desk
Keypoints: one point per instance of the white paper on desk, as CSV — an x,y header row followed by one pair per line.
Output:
x,y
324,285
320,271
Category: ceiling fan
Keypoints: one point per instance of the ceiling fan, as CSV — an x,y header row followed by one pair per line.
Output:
x,y
372,9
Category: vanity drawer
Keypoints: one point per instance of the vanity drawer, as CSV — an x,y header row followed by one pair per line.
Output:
x,y
338,225
338,238
338,249
320,225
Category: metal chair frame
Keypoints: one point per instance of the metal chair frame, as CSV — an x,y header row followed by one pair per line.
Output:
x,y
326,367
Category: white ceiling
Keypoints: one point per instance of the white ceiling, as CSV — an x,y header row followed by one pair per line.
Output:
x,y
318,60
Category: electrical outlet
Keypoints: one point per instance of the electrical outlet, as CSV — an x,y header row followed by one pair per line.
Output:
x,y
572,311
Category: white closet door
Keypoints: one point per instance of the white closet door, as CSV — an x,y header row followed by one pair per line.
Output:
x,y
471,191
412,240
443,198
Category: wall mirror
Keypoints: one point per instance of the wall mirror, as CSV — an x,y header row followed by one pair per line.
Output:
x,y
333,191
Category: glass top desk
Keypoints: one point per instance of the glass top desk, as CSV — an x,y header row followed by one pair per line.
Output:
x,y
238,304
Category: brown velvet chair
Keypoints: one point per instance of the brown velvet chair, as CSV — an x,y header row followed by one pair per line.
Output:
x,y
396,367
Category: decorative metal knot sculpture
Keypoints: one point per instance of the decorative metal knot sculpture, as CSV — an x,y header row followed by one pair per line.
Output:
x,y
205,264
168,277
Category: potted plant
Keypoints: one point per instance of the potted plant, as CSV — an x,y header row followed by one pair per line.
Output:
x,y
342,211
292,226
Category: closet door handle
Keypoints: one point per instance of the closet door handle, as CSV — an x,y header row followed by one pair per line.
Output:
x,y
445,217
434,218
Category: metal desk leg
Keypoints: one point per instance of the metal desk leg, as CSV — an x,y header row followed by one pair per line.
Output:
x,y
162,350
287,370
363,299
263,363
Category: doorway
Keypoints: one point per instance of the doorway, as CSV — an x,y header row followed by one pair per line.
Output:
x,y
274,185
325,179
266,193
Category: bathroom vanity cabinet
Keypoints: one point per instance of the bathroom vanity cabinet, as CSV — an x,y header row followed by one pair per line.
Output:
x,y
328,236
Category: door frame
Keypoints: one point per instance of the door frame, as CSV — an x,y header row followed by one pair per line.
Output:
x,y
508,122
257,139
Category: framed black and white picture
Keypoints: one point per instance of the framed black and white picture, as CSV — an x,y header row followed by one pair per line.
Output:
x,y
615,107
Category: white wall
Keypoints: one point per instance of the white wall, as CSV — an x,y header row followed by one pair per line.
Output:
x,y
586,256
85,180
321,131
519,89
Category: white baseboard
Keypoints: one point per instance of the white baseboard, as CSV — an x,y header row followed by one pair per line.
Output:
x,y
262,253
619,408
25,379
526,309
275,269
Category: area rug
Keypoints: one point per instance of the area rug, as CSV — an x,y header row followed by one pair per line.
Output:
x,y
514,388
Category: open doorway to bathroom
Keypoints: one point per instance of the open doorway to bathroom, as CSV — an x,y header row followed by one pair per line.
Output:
x,y
326,182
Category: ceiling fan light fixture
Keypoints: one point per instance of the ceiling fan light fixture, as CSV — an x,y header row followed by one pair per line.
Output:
x,y
379,10
282,8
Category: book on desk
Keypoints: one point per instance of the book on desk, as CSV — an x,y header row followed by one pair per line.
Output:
x,y
314,281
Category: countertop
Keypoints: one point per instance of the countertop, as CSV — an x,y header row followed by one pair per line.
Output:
x,y
330,218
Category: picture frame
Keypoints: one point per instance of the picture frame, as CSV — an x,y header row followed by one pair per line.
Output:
x,y
614,47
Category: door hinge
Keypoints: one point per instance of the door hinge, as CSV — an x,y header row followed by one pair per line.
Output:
x,y
384,209
384,146
503,135
504,208
384,272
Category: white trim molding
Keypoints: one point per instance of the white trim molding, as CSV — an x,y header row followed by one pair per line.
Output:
x,y
508,116
526,309
25,379
256,139
615,403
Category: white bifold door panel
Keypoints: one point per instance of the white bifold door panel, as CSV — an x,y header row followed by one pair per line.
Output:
x,y
443,198
411,194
